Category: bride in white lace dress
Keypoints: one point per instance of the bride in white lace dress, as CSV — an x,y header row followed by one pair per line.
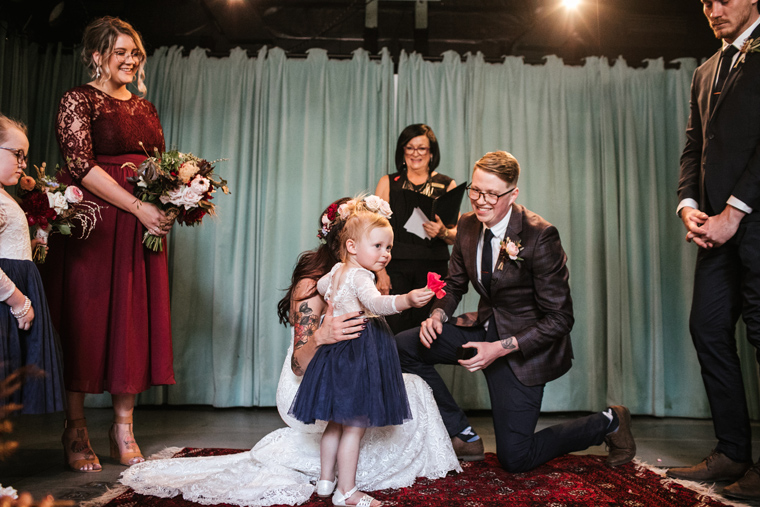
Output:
x,y
283,466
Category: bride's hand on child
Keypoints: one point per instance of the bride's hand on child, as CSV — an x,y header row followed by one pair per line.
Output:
x,y
419,297
344,327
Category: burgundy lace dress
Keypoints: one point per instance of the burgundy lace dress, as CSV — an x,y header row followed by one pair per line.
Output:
x,y
109,294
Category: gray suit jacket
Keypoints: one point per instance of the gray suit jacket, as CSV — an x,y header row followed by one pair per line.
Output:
x,y
529,299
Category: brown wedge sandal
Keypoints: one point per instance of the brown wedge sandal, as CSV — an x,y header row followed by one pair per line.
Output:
x,y
77,452
131,454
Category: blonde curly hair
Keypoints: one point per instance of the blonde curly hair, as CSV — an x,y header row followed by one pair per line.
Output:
x,y
100,37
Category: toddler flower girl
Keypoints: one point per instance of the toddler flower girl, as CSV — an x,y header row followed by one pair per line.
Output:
x,y
356,384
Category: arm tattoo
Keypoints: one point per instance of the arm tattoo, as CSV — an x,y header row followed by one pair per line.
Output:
x,y
306,324
296,367
509,343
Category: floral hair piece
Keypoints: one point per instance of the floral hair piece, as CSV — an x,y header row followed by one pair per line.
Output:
x,y
329,219
335,213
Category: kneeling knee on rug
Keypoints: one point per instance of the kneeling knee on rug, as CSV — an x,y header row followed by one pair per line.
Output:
x,y
513,463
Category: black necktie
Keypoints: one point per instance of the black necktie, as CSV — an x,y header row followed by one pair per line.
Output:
x,y
726,60
486,261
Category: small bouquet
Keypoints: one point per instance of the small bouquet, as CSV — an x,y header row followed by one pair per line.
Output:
x,y
51,206
180,184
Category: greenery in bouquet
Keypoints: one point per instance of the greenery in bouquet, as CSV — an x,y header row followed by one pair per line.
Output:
x,y
180,184
51,206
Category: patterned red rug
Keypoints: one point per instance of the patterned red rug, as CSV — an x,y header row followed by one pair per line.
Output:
x,y
568,481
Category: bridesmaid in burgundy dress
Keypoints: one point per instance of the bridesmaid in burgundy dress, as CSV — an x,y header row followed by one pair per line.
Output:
x,y
109,295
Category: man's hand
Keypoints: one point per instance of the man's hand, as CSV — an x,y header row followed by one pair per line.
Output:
x,y
693,219
431,328
720,228
488,352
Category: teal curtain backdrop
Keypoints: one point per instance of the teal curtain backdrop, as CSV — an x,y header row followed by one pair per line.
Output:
x,y
598,144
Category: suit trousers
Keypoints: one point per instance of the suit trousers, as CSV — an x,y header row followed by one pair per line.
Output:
x,y
726,286
515,406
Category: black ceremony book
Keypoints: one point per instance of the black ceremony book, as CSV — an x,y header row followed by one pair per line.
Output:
x,y
446,206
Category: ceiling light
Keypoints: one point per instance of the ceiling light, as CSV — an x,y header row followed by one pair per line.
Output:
x,y
571,4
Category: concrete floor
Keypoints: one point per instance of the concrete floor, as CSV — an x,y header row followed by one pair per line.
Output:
x,y
37,466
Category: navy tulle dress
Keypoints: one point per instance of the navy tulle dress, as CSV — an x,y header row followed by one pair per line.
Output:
x,y
39,345
355,382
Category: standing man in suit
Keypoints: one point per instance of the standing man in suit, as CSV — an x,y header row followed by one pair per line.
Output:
x,y
719,193
520,335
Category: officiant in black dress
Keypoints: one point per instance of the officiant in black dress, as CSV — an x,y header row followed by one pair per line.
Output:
x,y
417,157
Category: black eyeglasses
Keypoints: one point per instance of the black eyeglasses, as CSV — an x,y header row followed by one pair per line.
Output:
x,y
490,198
20,157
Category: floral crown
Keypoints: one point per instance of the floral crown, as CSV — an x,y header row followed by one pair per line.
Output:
x,y
336,213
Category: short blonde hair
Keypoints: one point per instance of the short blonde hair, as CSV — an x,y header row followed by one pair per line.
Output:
x,y
502,164
100,37
358,224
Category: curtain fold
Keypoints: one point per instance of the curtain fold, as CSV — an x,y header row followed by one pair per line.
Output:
x,y
599,145
297,134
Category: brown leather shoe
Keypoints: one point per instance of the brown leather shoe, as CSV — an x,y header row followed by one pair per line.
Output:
x,y
746,488
468,451
621,443
716,467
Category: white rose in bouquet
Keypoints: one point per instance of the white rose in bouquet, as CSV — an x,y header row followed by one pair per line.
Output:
x,y
58,202
182,196
200,185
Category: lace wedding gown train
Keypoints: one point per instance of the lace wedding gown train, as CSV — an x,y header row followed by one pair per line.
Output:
x,y
281,468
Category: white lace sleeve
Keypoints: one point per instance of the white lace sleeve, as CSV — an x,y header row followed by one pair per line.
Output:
x,y
7,287
370,297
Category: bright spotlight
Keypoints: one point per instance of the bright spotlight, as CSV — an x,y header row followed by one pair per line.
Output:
x,y
571,4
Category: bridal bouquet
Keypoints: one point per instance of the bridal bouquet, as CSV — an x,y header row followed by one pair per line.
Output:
x,y
51,206
180,184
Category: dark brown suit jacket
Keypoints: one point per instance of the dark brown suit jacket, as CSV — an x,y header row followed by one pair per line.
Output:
x,y
530,299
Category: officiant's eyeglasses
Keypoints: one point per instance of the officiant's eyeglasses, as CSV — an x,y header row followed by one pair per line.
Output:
x,y
490,198
422,150
20,157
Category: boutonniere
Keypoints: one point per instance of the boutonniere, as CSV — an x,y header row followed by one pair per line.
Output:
x,y
510,249
749,46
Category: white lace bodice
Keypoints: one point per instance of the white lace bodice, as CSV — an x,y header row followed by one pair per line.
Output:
x,y
14,239
357,292
283,466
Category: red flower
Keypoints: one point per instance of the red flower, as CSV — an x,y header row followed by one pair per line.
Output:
x,y
332,212
435,284
37,209
192,216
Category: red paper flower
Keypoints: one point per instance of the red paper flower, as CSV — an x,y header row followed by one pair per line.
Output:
x,y
435,284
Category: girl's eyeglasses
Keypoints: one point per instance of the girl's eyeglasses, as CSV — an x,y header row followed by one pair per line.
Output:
x,y
20,156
